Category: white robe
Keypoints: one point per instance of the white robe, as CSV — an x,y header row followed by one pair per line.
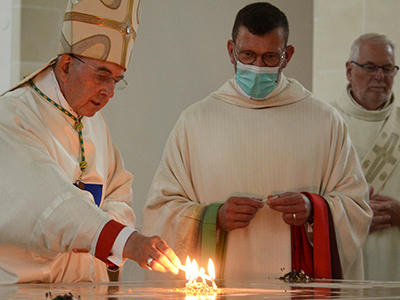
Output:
x,y
43,215
382,248
229,145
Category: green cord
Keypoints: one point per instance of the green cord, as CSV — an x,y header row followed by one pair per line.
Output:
x,y
78,126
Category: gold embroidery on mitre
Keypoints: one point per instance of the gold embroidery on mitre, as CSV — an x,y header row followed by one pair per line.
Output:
x,y
125,27
112,4
101,43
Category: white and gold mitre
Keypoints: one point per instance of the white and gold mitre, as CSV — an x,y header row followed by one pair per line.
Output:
x,y
101,29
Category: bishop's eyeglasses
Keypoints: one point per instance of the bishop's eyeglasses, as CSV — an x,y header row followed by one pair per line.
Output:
x,y
372,69
104,77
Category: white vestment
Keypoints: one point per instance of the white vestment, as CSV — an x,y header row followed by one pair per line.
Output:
x,y
228,145
382,248
44,216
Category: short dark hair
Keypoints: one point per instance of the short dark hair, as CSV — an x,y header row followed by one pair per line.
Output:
x,y
260,18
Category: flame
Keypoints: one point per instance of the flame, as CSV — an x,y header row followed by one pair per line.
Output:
x,y
200,288
194,270
211,269
188,268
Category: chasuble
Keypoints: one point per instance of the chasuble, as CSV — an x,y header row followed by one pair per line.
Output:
x,y
230,145
377,131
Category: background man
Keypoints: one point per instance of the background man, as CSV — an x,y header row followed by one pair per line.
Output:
x,y
65,195
261,135
368,106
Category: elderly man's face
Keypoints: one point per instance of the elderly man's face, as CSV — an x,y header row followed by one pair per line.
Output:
x,y
84,93
371,91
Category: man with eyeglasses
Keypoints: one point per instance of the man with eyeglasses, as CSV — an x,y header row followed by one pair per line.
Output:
x,y
368,107
260,175
66,213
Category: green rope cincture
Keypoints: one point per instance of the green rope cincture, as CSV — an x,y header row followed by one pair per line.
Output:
x,y
78,126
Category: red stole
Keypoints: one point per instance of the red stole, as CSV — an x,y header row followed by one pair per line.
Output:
x,y
321,260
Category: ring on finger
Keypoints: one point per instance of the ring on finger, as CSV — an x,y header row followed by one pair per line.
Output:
x,y
149,260
294,217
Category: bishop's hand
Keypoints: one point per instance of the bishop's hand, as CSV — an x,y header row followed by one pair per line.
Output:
x,y
152,253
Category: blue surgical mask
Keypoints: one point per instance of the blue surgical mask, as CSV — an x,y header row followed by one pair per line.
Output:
x,y
257,82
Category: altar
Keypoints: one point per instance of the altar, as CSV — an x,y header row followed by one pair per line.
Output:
x,y
267,289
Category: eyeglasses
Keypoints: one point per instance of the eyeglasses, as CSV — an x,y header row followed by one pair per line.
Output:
x,y
103,77
270,59
372,69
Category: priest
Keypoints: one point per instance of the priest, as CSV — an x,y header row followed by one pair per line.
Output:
x,y
261,176
368,106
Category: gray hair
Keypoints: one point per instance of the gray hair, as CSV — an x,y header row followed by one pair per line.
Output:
x,y
374,38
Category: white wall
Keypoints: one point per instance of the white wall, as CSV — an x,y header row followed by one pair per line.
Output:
x,y
6,36
337,23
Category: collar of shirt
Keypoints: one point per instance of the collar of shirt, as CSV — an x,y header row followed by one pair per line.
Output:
x,y
47,82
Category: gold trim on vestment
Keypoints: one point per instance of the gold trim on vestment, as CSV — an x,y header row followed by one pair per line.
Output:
x,y
384,154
